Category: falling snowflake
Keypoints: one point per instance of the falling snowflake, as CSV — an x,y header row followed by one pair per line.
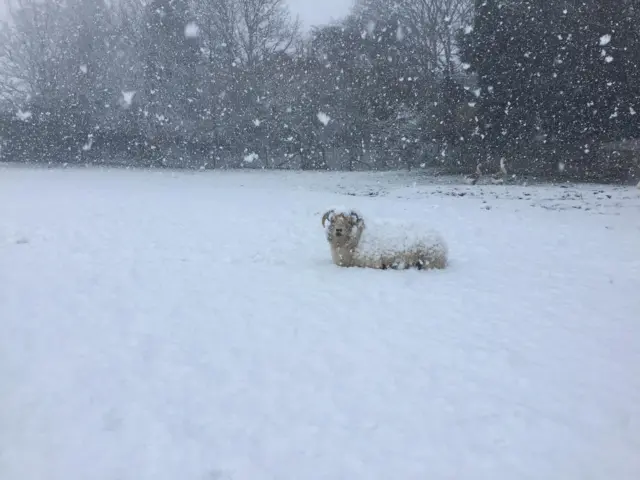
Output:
x,y
466,66
605,39
87,146
324,118
24,116
561,166
468,29
191,30
250,158
608,59
84,69
127,98
256,122
400,34
632,111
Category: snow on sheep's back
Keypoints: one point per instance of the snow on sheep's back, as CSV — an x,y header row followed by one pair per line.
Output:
x,y
160,325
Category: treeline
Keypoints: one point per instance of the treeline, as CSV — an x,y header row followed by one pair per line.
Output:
x,y
417,83
559,82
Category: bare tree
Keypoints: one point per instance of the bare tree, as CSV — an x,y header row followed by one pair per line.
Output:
x,y
265,28
246,42
245,32
428,27
30,50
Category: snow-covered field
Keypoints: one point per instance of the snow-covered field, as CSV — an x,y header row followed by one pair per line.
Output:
x,y
190,325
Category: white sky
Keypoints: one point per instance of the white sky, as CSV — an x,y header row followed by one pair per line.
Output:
x,y
319,12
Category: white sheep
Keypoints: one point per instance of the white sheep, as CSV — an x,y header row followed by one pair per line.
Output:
x,y
382,244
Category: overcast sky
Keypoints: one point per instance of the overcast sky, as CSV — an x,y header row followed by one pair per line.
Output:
x,y
318,12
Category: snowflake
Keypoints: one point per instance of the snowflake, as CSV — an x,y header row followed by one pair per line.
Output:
x,y
250,158
24,116
127,98
87,146
191,30
605,39
324,118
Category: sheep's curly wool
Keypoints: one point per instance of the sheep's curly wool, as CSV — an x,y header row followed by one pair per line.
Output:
x,y
382,243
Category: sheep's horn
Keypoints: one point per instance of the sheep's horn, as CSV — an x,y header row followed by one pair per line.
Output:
x,y
355,215
325,217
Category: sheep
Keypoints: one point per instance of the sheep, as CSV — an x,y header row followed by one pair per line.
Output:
x,y
381,244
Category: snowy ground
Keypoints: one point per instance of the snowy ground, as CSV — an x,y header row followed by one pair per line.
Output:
x,y
190,325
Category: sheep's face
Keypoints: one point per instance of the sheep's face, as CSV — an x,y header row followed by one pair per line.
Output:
x,y
342,227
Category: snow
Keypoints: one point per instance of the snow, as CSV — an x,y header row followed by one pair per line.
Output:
x,y
24,116
605,40
251,157
191,30
341,209
127,98
162,325
382,237
87,146
324,118
371,26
